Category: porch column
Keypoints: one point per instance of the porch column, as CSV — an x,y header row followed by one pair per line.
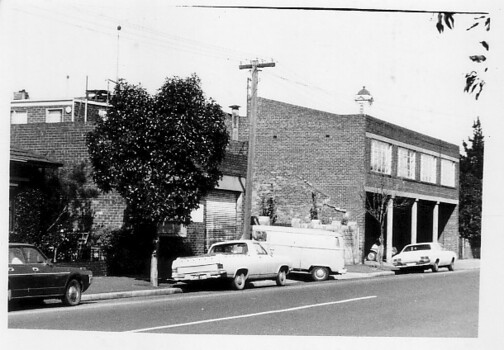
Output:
x,y
414,221
435,222
390,225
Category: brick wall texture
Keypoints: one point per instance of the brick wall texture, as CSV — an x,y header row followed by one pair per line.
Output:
x,y
301,151
65,142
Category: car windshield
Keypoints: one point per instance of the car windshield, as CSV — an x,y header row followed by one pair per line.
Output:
x,y
413,248
231,248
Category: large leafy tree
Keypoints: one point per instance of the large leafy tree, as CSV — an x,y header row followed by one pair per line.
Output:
x,y
471,182
160,152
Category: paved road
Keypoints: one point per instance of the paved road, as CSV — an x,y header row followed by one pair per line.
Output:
x,y
441,304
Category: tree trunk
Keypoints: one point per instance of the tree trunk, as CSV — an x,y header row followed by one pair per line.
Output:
x,y
154,263
380,247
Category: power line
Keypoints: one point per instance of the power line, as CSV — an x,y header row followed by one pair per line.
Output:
x,y
334,9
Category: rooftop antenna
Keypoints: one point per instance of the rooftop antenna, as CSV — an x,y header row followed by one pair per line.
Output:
x,y
117,62
67,80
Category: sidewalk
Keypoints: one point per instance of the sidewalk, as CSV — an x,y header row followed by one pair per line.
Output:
x,y
104,288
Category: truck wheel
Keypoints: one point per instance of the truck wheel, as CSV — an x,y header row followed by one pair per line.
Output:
x,y
435,267
281,277
73,293
451,266
319,273
239,281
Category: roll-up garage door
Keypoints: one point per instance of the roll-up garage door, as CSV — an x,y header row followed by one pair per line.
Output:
x,y
221,217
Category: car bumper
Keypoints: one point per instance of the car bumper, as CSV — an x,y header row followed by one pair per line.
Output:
x,y
198,276
403,265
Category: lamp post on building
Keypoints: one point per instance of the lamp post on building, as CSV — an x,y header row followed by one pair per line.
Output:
x,y
363,98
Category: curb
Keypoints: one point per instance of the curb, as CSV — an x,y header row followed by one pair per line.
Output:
x,y
130,294
357,275
173,290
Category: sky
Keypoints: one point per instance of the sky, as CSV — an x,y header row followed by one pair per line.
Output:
x,y
322,59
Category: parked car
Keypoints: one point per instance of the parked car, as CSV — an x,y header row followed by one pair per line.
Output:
x,y
425,255
33,276
238,261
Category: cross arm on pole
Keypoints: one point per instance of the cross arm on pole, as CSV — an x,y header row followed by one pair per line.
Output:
x,y
258,65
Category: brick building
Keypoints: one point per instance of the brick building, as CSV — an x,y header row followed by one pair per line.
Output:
x,y
308,159
56,129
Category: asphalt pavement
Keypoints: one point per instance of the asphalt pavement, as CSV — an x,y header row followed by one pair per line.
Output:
x,y
111,287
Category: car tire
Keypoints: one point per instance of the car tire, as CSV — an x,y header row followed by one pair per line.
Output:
x,y
451,266
281,277
435,267
73,293
239,281
319,273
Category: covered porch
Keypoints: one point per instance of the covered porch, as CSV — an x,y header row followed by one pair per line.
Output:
x,y
413,218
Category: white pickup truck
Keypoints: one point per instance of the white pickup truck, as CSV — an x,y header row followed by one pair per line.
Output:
x,y
238,261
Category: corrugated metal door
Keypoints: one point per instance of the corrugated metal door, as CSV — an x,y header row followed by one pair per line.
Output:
x,y
221,217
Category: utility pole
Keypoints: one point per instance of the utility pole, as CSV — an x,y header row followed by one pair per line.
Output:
x,y
253,66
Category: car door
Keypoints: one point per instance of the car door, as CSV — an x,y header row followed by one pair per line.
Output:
x,y
46,278
20,274
264,264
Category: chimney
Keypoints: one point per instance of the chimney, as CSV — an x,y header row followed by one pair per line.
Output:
x,y
21,95
235,122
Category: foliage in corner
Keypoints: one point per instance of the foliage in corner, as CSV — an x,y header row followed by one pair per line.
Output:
x,y
474,82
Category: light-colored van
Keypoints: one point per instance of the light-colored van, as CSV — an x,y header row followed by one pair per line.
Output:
x,y
314,251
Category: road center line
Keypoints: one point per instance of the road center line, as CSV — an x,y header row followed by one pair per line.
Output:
x,y
249,315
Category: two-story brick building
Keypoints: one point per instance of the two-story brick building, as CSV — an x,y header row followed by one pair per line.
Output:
x,y
305,159
56,129
339,161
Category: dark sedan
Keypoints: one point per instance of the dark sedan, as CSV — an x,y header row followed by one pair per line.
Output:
x,y
32,275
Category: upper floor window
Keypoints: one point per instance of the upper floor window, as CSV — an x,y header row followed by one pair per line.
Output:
x,y
406,163
381,157
19,117
447,173
428,168
54,115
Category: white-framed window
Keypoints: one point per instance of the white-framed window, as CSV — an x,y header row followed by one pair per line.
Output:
x,y
428,168
19,117
447,173
381,157
406,163
54,115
